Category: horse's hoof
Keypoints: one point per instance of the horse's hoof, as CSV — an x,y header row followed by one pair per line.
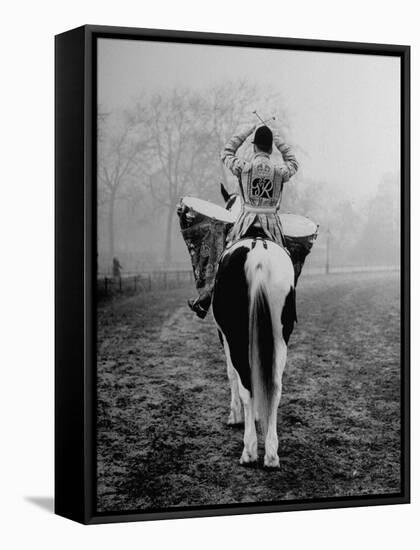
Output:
x,y
271,461
248,459
235,419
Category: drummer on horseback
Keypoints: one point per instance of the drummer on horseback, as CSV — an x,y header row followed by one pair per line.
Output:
x,y
260,182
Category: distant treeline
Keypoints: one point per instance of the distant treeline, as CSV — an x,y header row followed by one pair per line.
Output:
x,y
168,146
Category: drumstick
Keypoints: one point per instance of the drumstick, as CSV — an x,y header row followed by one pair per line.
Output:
x,y
263,121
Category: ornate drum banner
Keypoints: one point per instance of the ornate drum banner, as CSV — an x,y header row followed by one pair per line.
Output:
x,y
204,227
199,214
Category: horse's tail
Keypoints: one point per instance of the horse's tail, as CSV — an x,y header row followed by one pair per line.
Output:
x,y
261,334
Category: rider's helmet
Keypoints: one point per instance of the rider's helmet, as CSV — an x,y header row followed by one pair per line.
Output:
x,y
263,139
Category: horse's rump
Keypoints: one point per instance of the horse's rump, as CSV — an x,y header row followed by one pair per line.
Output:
x,y
251,299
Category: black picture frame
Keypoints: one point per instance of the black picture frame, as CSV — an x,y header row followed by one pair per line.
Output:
x,y
75,269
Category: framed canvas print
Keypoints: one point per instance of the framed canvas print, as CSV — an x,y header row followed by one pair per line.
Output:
x,y
232,274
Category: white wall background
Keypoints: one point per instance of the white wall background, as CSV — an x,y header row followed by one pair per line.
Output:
x,y
26,311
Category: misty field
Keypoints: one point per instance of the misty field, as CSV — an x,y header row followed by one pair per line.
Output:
x,y
163,401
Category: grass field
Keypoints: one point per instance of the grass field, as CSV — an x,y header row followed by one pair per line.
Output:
x,y
163,401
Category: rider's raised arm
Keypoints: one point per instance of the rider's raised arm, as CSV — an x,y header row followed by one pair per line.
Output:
x,y
290,163
228,155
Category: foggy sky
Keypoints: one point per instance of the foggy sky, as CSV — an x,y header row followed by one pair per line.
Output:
x,y
343,109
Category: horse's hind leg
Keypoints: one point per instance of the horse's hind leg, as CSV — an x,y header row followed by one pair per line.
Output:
x,y
271,458
235,415
250,452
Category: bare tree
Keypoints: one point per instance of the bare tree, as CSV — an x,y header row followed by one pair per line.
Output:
x,y
379,240
178,159
119,152
231,104
167,146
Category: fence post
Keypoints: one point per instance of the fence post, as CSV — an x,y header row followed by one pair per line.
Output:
x,y
150,281
106,286
120,283
327,259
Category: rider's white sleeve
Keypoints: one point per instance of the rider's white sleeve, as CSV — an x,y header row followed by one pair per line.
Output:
x,y
290,163
228,155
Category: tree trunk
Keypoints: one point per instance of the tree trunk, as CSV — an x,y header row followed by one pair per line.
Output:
x,y
168,236
111,229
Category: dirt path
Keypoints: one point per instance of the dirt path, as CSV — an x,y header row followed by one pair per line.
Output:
x,y
163,401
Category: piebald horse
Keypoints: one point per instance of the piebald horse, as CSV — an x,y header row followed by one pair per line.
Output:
x,y
254,309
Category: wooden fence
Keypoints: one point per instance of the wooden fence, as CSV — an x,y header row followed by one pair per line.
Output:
x,y
143,282
134,283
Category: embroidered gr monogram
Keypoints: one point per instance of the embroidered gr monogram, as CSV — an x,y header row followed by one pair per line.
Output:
x,y
261,180
261,188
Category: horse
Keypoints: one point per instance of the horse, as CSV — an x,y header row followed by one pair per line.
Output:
x,y
254,310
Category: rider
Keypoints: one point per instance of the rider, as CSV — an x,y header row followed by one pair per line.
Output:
x,y
261,184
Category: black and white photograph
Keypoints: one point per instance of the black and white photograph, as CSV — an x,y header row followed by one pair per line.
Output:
x,y
209,244
248,284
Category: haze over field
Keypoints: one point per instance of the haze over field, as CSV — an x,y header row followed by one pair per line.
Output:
x,y
165,111
340,111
